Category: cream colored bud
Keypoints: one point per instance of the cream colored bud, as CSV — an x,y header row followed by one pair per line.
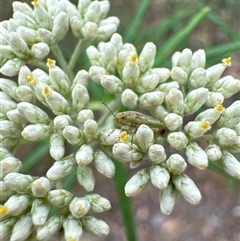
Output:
x,y
109,57
179,75
7,105
198,59
95,58
96,72
213,152
185,60
197,78
10,129
225,136
57,146
173,121
151,99
176,164
29,35
214,99
129,98
145,137
25,94
18,45
98,204
86,177
40,210
39,51
62,121
196,129
15,116
60,26
159,177
8,165
137,183
117,41
79,207
177,140
72,228
111,83
109,137
147,83
159,112
196,156
90,128
156,153
84,155
80,97
166,87
45,36
90,31
81,78
174,101
107,27
60,197
40,187
73,135
9,87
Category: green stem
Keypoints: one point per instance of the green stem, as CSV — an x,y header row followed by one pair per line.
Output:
x,y
75,55
40,65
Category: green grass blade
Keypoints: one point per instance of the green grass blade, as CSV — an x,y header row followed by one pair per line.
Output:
x,y
132,31
171,45
124,202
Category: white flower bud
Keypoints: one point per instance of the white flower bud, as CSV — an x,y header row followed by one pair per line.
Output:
x,y
80,97
4,153
96,72
196,129
176,164
197,78
16,204
179,75
51,227
8,165
145,137
147,82
6,193
25,94
95,59
61,168
107,28
45,36
167,199
159,177
40,187
177,140
18,182
32,113
163,73
235,148
84,115
9,87
151,99
173,121
40,210
98,204
6,51
156,154
84,155
29,35
231,116
93,12
159,112
39,51
60,197
174,101
76,23
72,228
104,164
58,104
117,41
89,31
60,26
194,100
213,152
166,87
109,58
90,128
9,143
225,136
175,58
62,121
127,153
15,116
198,59
147,57
81,78
23,228
230,164
7,105
79,207
57,147
227,86
187,188
214,99
129,98
36,132
137,183
109,137
196,156
95,226
85,177
6,227
73,135
185,60
111,83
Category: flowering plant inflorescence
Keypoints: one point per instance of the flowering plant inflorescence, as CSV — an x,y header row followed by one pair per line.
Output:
x,y
188,124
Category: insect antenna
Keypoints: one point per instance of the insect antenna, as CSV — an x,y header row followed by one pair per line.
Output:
x,y
109,109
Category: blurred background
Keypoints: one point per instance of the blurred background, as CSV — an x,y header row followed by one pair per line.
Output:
x,y
217,217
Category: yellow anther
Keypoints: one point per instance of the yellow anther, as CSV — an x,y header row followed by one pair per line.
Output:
x,y
31,80
71,239
46,91
205,125
51,63
124,137
3,210
35,3
80,207
134,59
219,109
227,62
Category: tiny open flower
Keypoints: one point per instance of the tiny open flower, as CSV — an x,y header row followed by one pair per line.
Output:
x,y
84,155
129,98
194,100
151,99
16,204
61,168
177,140
179,75
104,164
85,114
49,228
86,177
60,197
61,121
159,177
196,129
57,147
40,187
137,183
95,226
167,199
72,228
156,154
98,204
187,188
40,210
145,137
127,153
174,101
111,83
230,164
213,152
197,78
176,164
173,121
225,136
196,156
79,207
